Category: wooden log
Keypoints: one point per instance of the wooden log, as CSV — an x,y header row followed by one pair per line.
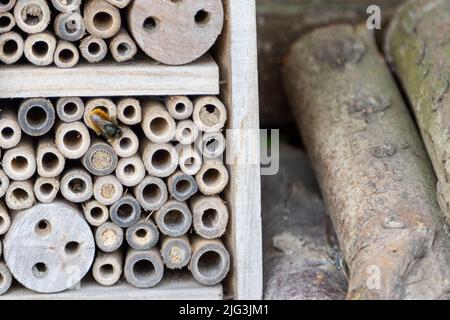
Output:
x,y
143,269
66,6
93,49
102,19
19,163
69,26
72,139
160,160
210,114
4,183
181,186
70,109
107,189
175,32
95,213
130,171
36,116
174,219
176,252
20,195
5,220
179,107
151,193
109,237
368,158
210,262
212,178
100,159
5,277
10,132
7,5
11,47
50,162
107,268
40,48
125,212
157,123
423,74
186,132
58,251
32,16
66,55
210,216
7,22
76,185
46,189
143,235
129,111
122,47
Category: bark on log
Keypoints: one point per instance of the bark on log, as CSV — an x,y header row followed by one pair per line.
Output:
x,y
376,180
419,49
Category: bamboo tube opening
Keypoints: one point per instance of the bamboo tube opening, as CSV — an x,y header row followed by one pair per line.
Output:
x,y
161,159
210,218
46,188
152,193
36,116
77,185
210,264
103,21
10,47
66,55
20,164
125,143
94,48
32,14
40,49
125,211
70,108
174,219
50,161
6,5
97,213
130,111
5,21
211,177
143,270
20,194
72,141
160,126
7,133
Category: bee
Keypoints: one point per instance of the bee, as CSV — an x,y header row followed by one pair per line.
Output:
x,y
104,125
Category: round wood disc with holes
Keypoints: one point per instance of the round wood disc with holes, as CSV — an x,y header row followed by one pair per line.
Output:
x,y
176,32
49,248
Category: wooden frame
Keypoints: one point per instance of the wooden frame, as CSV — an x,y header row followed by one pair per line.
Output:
x,y
236,56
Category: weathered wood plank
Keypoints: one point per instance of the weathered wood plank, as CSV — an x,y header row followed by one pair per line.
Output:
x,y
103,79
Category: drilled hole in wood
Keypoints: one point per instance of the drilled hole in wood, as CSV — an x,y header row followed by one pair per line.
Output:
x,y
43,228
150,24
40,270
202,17
72,248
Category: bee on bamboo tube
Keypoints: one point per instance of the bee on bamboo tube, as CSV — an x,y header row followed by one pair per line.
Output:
x,y
104,125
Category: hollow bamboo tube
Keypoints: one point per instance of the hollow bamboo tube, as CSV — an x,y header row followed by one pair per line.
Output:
x,y
6,277
186,132
122,46
5,220
107,189
129,111
210,114
157,123
76,185
119,3
127,144
210,261
100,159
175,32
212,178
176,252
20,195
93,49
95,213
32,16
70,109
160,160
40,48
212,145
19,163
36,116
151,193
107,268
181,186
364,148
130,171
143,235
7,22
144,269
7,5
66,55
4,183
106,105
179,107
190,160
69,26
174,218
50,161
46,189
72,139
11,47
66,6
109,237
210,216
102,19
10,132
125,212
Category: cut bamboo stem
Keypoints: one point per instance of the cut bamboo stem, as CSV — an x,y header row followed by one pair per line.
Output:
x,y
365,150
125,212
7,5
119,3
212,178
127,144
107,268
151,193
7,22
66,6
70,26
176,252
10,132
20,195
174,219
5,220
11,47
143,235
4,183
122,47
105,105
190,160
6,277
76,185
93,49
36,116
160,160
40,48
210,216
102,19
129,111
210,114
66,55
100,159
186,132
130,171
32,16
109,237
19,163
72,139
107,190
46,189
179,107
70,109
95,213
144,269
181,186
49,160
157,123
212,145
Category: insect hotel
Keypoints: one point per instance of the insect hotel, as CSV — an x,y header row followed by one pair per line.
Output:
x,y
130,150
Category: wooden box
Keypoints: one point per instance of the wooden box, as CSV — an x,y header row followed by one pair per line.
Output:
x,y
230,72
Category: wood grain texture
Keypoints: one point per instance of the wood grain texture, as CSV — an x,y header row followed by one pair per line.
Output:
x,y
104,79
237,60
174,286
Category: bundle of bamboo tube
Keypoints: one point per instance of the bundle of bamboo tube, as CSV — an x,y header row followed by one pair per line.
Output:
x,y
60,31
125,186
